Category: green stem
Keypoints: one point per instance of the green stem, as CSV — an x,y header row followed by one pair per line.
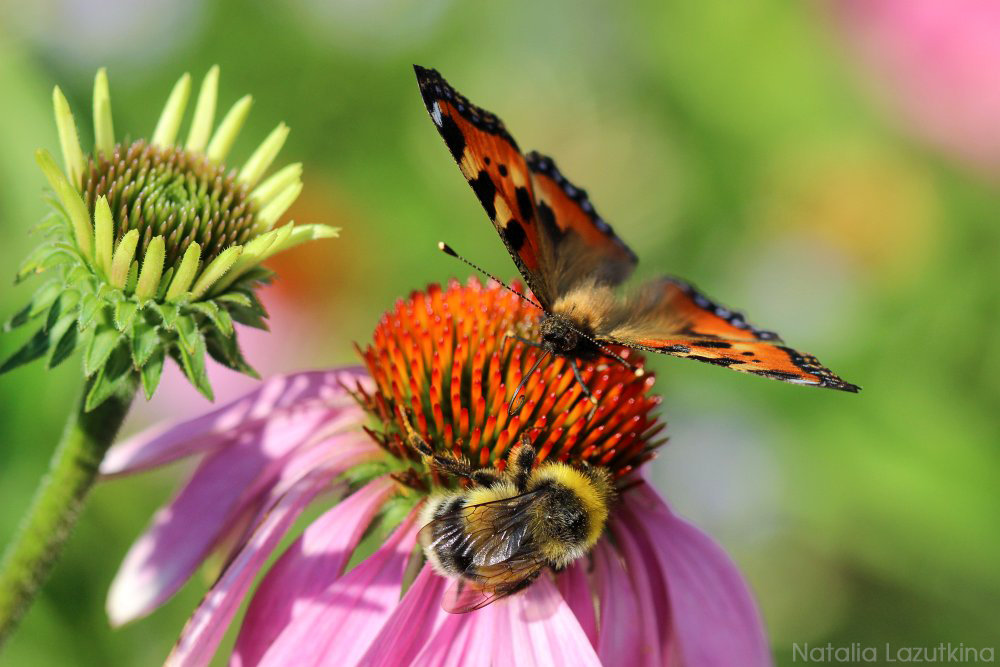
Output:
x,y
72,472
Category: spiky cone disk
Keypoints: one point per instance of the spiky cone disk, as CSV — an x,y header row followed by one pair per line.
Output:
x,y
154,246
443,355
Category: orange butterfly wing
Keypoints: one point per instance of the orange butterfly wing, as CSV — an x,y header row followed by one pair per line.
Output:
x,y
672,317
550,228
584,246
495,169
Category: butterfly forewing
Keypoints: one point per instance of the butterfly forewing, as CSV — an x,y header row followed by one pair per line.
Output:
x,y
495,169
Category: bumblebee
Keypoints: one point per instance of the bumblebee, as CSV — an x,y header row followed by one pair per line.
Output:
x,y
495,537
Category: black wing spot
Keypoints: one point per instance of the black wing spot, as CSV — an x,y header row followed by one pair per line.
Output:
x,y
524,204
503,170
483,186
748,354
513,235
714,343
486,159
452,137
548,219
717,362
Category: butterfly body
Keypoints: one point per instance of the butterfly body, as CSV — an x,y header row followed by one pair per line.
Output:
x,y
572,261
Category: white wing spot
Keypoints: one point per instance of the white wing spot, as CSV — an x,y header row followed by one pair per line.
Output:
x,y
436,114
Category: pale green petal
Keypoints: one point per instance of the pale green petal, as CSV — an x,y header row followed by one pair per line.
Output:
x,y
204,112
274,210
103,235
152,269
69,142
229,128
216,269
264,155
104,131
250,257
301,234
122,260
71,201
284,177
185,272
165,133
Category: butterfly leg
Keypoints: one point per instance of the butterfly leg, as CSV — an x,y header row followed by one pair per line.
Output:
x,y
583,386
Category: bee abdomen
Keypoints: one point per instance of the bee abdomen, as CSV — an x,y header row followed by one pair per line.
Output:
x,y
441,544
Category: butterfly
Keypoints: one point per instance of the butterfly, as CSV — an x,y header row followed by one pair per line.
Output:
x,y
572,261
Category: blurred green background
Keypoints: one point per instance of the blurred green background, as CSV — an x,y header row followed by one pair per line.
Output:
x,y
779,155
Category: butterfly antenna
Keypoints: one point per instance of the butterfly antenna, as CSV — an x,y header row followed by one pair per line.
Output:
x,y
511,410
639,372
448,250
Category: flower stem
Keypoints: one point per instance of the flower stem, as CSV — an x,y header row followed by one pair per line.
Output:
x,y
72,472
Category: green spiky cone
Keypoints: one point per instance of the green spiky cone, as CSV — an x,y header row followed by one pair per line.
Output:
x,y
153,247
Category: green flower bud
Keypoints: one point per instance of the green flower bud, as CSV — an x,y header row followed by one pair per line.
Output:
x,y
157,245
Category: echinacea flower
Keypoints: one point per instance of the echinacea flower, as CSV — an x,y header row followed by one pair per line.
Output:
x,y
156,244
353,589
152,250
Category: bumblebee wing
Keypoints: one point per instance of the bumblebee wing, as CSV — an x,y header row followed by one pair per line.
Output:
x,y
492,584
481,535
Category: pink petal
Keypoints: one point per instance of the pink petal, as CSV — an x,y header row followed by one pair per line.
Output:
x,y
414,622
319,555
206,627
553,638
574,586
536,627
620,639
218,496
715,619
336,622
168,442
652,621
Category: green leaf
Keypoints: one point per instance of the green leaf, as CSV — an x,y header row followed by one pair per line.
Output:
x,y
90,306
248,317
35,261
219,317
168,312
35,348
151,372
44,297
187,332
125,312
226,351
145,341
193,365
64,335
115,376
238,298
102,343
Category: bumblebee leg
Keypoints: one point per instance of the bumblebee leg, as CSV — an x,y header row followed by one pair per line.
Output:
x,y
583,385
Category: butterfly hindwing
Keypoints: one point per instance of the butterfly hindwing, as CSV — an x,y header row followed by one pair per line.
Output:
x,y
672,317
495,169
582,243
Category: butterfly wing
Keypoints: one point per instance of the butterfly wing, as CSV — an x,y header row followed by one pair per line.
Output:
x,y
672,317
495,169
582,244
549,226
